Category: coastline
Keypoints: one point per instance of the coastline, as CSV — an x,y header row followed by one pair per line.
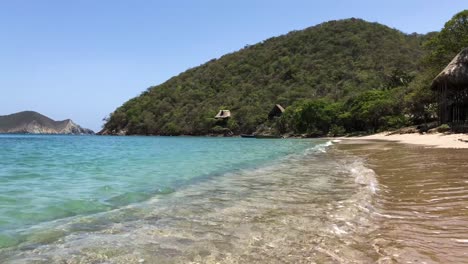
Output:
x,y
436,140
365,200
419,208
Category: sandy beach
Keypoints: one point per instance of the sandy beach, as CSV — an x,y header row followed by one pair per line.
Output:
x,y
419,207
437,140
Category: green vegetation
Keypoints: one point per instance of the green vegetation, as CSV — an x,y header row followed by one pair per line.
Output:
x,y
440,49
449,42
369,111
337,77
443,128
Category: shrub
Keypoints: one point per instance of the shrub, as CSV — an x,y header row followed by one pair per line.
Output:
x,y
336,131
443,128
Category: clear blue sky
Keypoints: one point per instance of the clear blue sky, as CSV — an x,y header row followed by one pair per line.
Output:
x,y
82,59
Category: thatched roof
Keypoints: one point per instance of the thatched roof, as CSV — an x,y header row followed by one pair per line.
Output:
x,y
277,110
279,107
222,114
456,72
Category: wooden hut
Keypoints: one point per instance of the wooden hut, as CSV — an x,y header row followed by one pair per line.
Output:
x,y
277,111
451,86
223,114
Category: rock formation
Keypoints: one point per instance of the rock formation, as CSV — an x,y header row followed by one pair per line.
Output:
x,y
29,122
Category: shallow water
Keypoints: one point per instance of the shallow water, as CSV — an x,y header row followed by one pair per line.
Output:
x,y
267,201
43,178
421,209
241,200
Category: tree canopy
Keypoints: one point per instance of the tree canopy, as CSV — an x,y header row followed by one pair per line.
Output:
x,y
448,42
440,48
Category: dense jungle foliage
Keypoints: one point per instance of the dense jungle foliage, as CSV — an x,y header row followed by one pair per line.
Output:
x,y
334,78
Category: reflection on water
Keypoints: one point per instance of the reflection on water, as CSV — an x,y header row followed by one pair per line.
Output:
x,y
321,207
422,206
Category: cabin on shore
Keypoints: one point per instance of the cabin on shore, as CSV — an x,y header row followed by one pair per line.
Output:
x,y
223,114
451,86
277,111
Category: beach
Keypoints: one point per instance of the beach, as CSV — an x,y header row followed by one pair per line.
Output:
x,y
301,201
420,208
436,140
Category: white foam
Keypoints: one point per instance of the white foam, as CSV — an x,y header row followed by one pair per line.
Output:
x,y
322,148
338,230
464,241
389,216
364,176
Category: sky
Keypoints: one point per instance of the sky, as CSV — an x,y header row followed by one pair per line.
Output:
x,y
82,59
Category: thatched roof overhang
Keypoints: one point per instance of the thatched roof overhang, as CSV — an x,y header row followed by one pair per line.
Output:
x,y
222,114
455,75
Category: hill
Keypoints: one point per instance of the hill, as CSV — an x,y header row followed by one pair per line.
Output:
x,y
335,61
29,122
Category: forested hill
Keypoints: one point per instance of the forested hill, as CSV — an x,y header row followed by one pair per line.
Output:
x,y
336,60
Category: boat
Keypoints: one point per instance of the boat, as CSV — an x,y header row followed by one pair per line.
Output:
x,y
267,136
248,135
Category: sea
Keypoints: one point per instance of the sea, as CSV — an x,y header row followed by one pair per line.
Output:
x,y
103,199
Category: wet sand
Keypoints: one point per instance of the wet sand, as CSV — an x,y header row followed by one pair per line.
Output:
x,y
421,207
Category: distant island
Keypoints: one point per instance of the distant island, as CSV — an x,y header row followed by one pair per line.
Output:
x,y
30,122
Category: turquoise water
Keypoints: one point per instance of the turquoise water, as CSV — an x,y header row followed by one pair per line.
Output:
x,y
47,178
90,199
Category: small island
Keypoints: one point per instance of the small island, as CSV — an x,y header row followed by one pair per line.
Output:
x,y
30,122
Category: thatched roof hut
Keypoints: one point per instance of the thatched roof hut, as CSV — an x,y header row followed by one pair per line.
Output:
x,y
451,86
223,114
456,72
276,111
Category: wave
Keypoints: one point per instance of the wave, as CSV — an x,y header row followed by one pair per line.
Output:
x,y
364,175
319,200
319,148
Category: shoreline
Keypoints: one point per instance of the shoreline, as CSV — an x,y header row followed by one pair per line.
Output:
x,y
419,199
437,140
419,203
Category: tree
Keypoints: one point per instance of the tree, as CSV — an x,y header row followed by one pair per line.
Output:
x,y
149,123
450,41
441,48
314,117
372,110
